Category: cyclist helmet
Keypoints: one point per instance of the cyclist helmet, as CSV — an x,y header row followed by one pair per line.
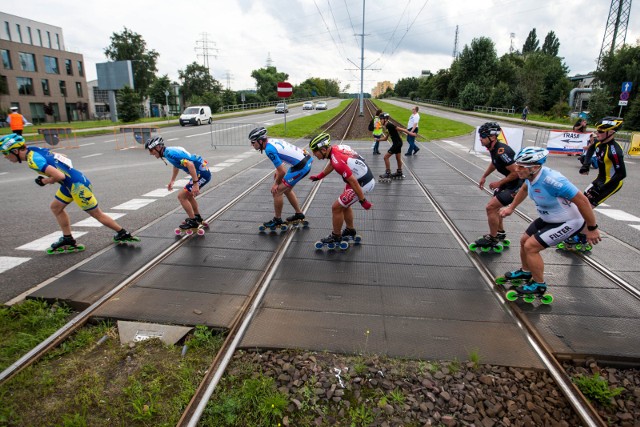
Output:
x,y
609,123
322,140
11,142
532,156
384,116
488,129
154,142
257,134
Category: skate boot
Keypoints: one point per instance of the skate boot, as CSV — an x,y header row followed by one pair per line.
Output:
x,y
397,175
189,227
577,241
331,242
385,177
66,244
297,219
529,292
516,277
502,236
124,236
487,243
274,224
350,235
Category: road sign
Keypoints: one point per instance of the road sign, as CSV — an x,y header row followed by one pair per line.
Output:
x,y
285,89
623,103
624,96
626,86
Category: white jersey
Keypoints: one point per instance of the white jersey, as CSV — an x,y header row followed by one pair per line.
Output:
x,y
552,194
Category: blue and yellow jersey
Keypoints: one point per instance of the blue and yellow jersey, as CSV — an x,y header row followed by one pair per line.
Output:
x,y
178,155
39,159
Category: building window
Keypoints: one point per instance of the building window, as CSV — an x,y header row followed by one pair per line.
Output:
x,y
45,87
51,65
37,113
6,59
49,39
100,95
40,37
27,61
4,85
63,88
58,41
25,86
69,67
19,33
7,29
79,89
29,34
80,69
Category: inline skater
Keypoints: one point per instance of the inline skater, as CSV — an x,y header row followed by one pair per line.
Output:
x,y
357,176
281,152
504,190
563,211
54,168
393,131
195,166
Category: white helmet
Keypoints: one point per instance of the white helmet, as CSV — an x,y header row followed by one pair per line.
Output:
x,y
532,156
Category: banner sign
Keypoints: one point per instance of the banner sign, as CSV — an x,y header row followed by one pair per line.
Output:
x,y
634,147
567,142
510,136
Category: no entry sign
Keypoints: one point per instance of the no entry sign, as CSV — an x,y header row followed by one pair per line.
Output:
x,y
285,89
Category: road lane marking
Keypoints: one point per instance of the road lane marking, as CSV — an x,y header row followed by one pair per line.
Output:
x,y
92,155
160,192
134,204
92,222
45,242
618,214
8,262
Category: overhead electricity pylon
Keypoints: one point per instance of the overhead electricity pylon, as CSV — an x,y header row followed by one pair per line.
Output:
x,y
616,31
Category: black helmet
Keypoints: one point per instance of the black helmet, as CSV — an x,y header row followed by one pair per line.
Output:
x,y
384,116
608,123
154,142
488,129
319,141
257,134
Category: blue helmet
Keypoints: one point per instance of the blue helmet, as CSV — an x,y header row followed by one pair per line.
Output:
x,y
11,142
532,156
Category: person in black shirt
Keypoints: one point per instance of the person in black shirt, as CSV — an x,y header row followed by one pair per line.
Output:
x,y
504,190
393,131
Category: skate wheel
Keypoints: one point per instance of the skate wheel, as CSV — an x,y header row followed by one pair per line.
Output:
x,y
498,248
205,224
561,246
319,245
506,242
201,232
284,228
530,298
344,245
588,247
473,246
579,247
546,299
81,248
511,295
501,280
331,245
485,249
178,231
189,232
357,239
262,228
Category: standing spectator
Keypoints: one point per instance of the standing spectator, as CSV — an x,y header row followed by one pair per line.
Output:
x,y
580,126
412,127
393,131
505,189
525,113
16,121
563,210
377,132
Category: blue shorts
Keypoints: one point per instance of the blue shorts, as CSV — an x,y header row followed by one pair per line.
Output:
x,y
203,178
297,172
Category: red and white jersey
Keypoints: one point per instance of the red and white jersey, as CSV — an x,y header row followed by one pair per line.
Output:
x,y
347,162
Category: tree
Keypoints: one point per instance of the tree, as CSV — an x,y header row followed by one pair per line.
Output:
x,y
267,82
531,43
129,46
128,105
196,81
551,45
407,85
475,64
471,96
600,104
158,88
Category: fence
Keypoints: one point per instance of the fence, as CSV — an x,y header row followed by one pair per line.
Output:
x,y
64,137
442,103
138,136
256,105
231,134
483,109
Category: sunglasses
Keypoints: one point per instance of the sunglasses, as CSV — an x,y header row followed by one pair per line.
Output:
x,y
601,131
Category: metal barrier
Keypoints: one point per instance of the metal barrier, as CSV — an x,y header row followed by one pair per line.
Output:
x,y
231,134
139,135
442,103
483,109
63,136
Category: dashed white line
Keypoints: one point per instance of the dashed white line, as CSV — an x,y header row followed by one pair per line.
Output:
x,y
45,242
8,262
92,222
160,192
88,143
92,155
618,214
134,204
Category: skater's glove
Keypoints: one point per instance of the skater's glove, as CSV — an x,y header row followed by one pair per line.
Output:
x,y
39,181
584,170
365,204
317,177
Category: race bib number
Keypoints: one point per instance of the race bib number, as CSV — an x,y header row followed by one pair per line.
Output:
x,y
63,159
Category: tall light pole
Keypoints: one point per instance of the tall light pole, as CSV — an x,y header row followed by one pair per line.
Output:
x,y
166,110
362,64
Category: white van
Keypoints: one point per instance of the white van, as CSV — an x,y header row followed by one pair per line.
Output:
x,y
196,115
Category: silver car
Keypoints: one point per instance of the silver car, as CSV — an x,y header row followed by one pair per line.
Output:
x,y
281,108
307,105
321,105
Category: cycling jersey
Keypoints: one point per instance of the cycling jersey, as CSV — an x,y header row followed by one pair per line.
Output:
x,y
279,151
611,170
552,194
74,187
347,162
502,156
178,155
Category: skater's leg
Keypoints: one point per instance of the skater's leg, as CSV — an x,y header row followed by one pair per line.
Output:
x,y
387,163
348,217
493,216
104,219
278,203
534,261
293,199
188,203
338,212
399,160
57,207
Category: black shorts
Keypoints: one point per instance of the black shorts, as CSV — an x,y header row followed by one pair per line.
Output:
x,y
505,196
396,148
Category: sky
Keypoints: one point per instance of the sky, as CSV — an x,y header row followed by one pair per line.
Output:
x,y
322,38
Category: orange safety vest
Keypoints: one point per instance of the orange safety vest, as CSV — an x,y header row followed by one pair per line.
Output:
x,y
16,122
